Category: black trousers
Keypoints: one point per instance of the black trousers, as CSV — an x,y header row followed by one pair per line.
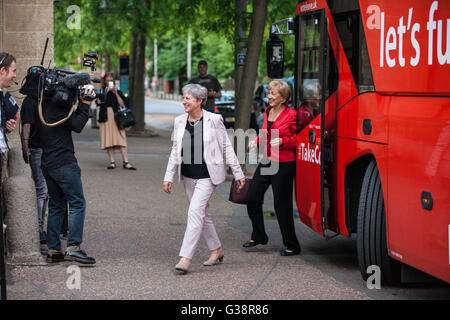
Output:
x,y
282,186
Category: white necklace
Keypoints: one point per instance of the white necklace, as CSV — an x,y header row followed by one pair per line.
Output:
x,y
194,123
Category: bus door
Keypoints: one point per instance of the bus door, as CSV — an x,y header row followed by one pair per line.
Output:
x,y
314,142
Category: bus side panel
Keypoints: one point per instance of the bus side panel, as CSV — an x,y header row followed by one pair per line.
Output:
x,y
406,42
364,118
351,150
350,120
419,161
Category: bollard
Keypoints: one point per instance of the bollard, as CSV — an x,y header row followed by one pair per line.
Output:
x,y
22,238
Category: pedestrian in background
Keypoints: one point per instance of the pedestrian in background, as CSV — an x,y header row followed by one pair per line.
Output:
x,y
279,121
210,83
111,137
199,152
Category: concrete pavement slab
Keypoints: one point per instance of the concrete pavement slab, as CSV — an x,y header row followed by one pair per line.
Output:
x,y
134,230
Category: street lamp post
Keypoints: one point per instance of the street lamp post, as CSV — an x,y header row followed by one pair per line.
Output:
x,y
155,61
189,57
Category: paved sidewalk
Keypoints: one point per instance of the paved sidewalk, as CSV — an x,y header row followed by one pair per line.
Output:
x,y
134,230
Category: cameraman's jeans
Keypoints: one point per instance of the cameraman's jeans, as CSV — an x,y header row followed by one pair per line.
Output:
x,y
41,186
65,183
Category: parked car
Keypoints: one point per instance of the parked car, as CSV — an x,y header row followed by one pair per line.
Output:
x,y
226,106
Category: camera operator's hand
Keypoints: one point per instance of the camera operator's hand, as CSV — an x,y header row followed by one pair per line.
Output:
x,y
88,91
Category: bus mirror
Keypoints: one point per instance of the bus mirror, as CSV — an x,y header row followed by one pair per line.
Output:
x,y
275,58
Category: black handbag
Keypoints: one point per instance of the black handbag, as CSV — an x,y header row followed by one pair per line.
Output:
x,y
125,118
237,195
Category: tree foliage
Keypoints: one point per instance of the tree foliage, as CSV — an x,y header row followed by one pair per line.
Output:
x,y
101,29
106,26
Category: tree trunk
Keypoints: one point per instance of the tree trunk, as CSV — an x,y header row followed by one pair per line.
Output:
x,y
247,86
107,60
138,106
131,68
240,35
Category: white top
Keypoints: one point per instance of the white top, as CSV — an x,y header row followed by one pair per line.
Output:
x,y
3,145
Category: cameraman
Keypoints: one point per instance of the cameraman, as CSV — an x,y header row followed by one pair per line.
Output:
x,y
63,177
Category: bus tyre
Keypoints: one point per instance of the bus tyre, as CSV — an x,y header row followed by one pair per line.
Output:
x,y
371,238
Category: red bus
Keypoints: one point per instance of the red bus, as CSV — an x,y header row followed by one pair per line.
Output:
x,y
375,160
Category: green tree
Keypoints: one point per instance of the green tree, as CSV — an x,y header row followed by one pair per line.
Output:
x,y
100,30
247,86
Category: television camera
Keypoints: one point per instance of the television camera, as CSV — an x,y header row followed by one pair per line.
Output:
x,y
61,87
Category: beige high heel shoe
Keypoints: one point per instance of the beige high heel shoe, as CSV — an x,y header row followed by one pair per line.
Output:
x,y
181,269
210,263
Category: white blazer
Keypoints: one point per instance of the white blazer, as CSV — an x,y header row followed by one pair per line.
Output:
x,y
218,151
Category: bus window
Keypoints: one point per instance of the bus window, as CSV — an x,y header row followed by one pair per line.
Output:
x,y
308,87
347,19
310,107
309,46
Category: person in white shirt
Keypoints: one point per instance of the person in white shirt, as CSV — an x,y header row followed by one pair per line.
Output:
x,y
7,77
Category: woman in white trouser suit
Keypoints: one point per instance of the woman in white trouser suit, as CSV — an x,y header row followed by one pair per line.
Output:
x,y
200,151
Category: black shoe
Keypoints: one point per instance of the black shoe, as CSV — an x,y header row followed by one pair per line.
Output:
x,y
55,257
252,243
78,256
288,252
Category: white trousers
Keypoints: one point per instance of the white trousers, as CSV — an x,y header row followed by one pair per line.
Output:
x,y
199,221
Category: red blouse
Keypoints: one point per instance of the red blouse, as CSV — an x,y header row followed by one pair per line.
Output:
x,y
286,126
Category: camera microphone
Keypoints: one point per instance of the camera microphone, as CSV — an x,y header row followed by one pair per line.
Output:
x,y
78,79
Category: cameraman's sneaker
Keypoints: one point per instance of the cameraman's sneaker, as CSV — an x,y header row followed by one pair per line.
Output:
x,y
78,255
54,256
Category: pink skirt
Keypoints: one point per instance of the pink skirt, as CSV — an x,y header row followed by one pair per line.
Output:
x,y
110,135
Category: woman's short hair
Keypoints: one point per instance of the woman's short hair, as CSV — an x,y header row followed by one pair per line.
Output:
x,y
197,91
282,87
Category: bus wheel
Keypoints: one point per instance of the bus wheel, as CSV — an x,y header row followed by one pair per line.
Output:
x,y
371,238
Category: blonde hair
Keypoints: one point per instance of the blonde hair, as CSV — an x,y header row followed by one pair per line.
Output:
x,y
282,87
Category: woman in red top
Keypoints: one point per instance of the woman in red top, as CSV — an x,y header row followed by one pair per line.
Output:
x,y
276,169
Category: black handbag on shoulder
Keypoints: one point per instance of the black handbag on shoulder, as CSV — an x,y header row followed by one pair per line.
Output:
x,y
125,118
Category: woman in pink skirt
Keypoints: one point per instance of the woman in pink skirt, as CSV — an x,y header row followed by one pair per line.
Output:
x,y
111,137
